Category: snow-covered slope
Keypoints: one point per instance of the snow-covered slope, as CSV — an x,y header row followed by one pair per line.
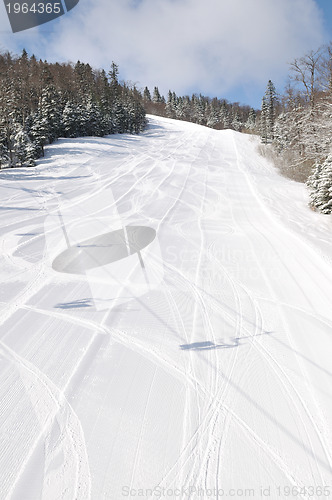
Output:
x,y
165,322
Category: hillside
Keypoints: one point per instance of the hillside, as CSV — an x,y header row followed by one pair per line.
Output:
x,y
166,321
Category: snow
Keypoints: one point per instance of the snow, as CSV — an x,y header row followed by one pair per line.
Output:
x,y
195,354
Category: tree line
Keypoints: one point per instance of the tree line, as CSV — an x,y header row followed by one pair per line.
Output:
x,y
211,112
297,125
41,101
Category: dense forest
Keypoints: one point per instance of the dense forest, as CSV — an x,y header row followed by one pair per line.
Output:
x,y
40,102
296,126
215,113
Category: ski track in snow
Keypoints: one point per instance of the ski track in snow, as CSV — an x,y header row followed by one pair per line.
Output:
x,y
217,378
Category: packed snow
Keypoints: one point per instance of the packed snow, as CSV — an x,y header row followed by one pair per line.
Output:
x,y
165,322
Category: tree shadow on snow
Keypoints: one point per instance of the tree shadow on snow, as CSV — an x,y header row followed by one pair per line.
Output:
x,y
75,304
31,176
208,345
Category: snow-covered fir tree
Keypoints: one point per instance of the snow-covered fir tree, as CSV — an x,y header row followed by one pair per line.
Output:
x,y
225,115
212,115
45,101
70,120
198,110
171,105
268,113
38,129
263,122
320,186
250,124
4,157
236,122
25,151
303,120
147,95
157,97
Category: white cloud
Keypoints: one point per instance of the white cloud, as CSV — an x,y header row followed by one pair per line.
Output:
x,y
14,43
209,46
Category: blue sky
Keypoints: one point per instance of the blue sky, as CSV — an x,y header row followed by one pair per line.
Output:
x,y
223,48
326,7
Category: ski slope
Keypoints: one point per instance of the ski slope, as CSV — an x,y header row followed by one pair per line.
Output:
x,y
197,364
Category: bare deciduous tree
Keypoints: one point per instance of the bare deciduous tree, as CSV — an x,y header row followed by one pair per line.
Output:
x,y
307,71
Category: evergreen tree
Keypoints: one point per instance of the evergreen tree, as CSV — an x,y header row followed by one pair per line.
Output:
x,y
187,108
136,122
93,118
50,112
114,79
3,150
38,131
236,122
171,105
39,102
180,109
157,96
263,124
212,117
198,110
269,112
9,116
70,120
24,149
146,95
251,122
224,115
103,91
281,133
85,79
320,186
119,117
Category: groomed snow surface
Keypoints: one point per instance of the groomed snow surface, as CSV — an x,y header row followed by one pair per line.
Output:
x,y
193,360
